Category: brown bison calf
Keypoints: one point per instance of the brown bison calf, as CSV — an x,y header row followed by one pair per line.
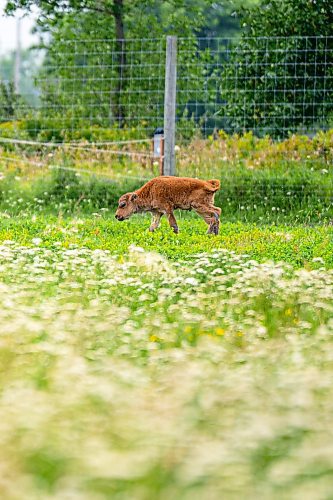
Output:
x,y
163,195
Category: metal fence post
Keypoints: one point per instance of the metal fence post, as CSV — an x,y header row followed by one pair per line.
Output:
x,y
170,106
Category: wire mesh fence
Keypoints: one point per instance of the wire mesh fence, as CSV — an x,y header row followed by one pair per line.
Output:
x,y
85,86
106,83
274,86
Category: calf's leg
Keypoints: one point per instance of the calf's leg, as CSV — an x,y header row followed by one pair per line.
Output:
x,y
211,216
155,221
172,221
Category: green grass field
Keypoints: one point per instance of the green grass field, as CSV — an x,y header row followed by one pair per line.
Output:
x,y
305,246
156,366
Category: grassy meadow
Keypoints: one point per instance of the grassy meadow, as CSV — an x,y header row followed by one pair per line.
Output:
x,y
137,365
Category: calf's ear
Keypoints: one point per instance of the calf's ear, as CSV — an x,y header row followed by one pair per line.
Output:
x,y
134,196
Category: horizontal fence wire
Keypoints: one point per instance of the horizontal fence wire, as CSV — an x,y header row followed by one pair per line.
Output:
x,y
44,165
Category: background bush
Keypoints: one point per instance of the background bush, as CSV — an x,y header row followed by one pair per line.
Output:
x,y
275,82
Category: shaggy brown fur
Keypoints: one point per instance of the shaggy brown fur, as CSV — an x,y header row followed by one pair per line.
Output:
x,y
163,195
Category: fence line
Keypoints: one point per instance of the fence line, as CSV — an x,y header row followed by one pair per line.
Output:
x,y
78,147
71,169
289,190
68,144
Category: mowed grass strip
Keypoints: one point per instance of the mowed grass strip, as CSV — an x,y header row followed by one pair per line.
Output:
x,y
301,246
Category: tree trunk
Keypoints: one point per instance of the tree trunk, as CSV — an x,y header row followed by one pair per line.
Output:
x,y
118,9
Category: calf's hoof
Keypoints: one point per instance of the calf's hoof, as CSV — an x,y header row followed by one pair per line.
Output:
x,y
175,229
152,229
214,229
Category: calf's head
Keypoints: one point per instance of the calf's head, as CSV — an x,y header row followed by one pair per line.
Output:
x,y
127,206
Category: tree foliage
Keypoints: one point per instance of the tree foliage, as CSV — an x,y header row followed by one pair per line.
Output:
x,y
100,66
99,63
9,101
280,76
